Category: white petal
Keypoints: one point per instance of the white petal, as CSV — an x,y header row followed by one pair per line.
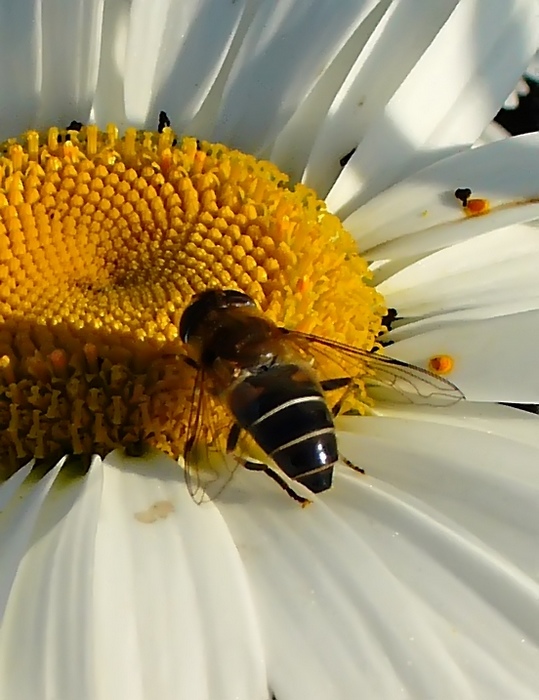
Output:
x,y
174,53
532,71
487,270
483,48
70,62
408,327
10,487
493,419
421,213
194,633
494,359
294,147
337,623
492,132
457,527
512,101
286,49
108,105
520,90
141,589
17,525
522,87
20,65
387,573
50,612
459,469
395,45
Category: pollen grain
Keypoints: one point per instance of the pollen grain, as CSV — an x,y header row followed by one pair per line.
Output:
x,y
441,364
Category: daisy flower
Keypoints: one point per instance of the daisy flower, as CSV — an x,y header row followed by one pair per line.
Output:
x,y
312,159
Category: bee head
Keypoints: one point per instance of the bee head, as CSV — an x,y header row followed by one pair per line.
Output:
x,y
205,303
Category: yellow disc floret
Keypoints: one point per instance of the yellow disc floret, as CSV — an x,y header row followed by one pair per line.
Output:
x,y
103,242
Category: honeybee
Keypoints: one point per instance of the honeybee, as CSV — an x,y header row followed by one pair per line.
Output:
x,y
267,379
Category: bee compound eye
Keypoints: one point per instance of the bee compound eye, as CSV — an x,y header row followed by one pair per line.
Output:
x,y
187,322
196,312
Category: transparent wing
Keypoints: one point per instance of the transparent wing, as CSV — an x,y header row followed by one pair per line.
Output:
x,y
404,383
209,464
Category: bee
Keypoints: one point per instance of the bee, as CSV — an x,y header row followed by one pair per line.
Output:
x,y
267,380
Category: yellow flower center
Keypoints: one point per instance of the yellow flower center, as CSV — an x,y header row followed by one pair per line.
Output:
x,y
103,242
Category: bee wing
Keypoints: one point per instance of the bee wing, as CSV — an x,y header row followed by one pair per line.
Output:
x,y
207,463
406,383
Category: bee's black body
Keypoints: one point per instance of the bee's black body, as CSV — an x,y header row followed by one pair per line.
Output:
x,y
272,395
286,413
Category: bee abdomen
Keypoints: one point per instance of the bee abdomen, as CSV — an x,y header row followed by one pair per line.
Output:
x,y
310,458
291,423
301,440
287,415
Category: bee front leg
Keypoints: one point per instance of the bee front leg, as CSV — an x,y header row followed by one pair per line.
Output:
x,y
258,466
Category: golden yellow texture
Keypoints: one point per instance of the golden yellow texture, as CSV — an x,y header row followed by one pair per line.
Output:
x,y
104,240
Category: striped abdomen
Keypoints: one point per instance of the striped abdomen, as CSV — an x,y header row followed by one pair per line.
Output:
x,y
285,411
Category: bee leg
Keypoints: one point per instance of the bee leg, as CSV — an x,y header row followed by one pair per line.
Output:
x,y
190,362
258,466
337,383
233,437
350,464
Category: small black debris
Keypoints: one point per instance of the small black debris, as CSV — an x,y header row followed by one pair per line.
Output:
x,y
390,318
163,122
74,126
463,194
136,449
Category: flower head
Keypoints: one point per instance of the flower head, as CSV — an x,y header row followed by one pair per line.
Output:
x,y
106,239
326,192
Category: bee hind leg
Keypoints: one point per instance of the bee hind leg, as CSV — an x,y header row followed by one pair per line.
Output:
x,y
350,464
259,466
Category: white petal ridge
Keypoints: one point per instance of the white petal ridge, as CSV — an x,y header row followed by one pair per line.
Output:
x,y
457,528
483,48
421,574
421,214
285,50
20,67
418,576
174,52
493,358
141,589
70,59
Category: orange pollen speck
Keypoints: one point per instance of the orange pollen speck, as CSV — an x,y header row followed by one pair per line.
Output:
x,y
441,364
103,242
477,206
